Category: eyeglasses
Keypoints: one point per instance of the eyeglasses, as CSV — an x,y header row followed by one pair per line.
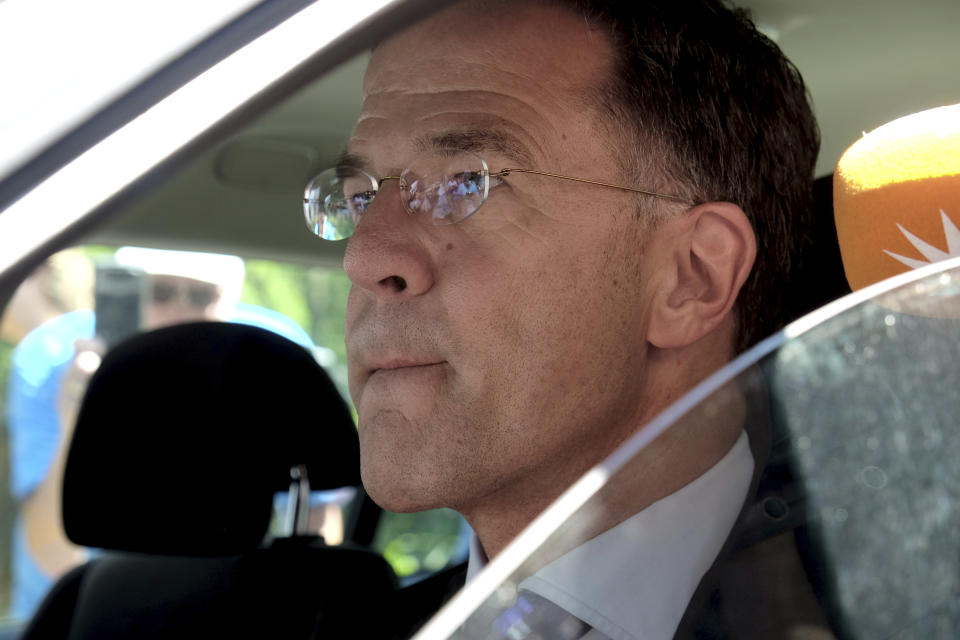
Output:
x,y
448,186
197,296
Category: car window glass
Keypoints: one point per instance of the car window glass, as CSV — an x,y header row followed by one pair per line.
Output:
x,y
853,530
54,311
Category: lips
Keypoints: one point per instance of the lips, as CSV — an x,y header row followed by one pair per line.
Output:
x,y
400,386
403,366
392,347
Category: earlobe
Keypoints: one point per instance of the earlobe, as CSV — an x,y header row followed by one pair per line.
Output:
x,y
712,251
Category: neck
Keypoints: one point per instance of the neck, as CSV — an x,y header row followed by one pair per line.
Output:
x,y
674,459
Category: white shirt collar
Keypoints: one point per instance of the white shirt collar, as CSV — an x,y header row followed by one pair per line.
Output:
x,y
670,545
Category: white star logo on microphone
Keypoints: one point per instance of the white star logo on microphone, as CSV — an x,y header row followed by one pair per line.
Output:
x,y
930,252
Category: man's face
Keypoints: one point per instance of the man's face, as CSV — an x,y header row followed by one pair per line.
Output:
x,y
493,358
175,299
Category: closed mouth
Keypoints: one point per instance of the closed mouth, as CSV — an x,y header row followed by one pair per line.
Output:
x,y
395,366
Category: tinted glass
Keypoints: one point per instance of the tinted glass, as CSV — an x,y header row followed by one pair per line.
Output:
x,y
851,416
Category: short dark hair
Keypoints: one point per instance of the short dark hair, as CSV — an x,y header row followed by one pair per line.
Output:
x,y
717,113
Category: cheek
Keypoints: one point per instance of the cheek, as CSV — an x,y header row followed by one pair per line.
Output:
x,y
359,306
540,328
531,309
156,316
353,305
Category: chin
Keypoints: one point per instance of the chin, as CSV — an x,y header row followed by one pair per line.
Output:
x,y
397,470
393,489
396,501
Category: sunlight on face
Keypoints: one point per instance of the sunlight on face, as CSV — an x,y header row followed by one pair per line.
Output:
x,y
497,356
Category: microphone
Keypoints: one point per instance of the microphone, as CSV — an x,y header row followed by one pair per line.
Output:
x,y
896,195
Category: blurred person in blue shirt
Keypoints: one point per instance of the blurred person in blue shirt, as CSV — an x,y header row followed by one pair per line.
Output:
x,y
49,371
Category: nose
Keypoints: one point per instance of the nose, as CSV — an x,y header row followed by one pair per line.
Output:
x,y
386,254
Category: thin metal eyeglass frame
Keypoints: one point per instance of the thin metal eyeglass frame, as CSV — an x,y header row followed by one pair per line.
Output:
x,y
503,173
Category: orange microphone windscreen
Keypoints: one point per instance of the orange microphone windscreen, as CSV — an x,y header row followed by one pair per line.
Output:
x,y
896,196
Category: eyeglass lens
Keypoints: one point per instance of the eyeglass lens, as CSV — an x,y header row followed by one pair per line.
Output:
x,y
448,186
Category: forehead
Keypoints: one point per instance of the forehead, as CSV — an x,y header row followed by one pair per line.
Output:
x,y
520,71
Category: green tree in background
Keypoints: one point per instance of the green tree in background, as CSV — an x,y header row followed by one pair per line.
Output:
x,y
313,297
419,542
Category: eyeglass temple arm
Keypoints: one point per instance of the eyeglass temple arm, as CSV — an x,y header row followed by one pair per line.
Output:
x,y
505,172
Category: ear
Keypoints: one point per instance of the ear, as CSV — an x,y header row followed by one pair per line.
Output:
x,y
708,256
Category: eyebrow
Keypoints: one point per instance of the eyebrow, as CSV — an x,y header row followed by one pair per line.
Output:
x,y
478,141
349,159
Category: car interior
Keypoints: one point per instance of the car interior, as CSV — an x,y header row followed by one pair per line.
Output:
x,y
197,454
191,485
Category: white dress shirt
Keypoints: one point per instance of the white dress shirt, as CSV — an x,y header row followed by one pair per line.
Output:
x,y
634,581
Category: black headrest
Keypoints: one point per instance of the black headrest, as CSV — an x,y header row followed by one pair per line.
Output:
x,y
186,433
817,276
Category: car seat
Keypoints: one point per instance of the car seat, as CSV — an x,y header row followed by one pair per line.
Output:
x,y
818,276
184,438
